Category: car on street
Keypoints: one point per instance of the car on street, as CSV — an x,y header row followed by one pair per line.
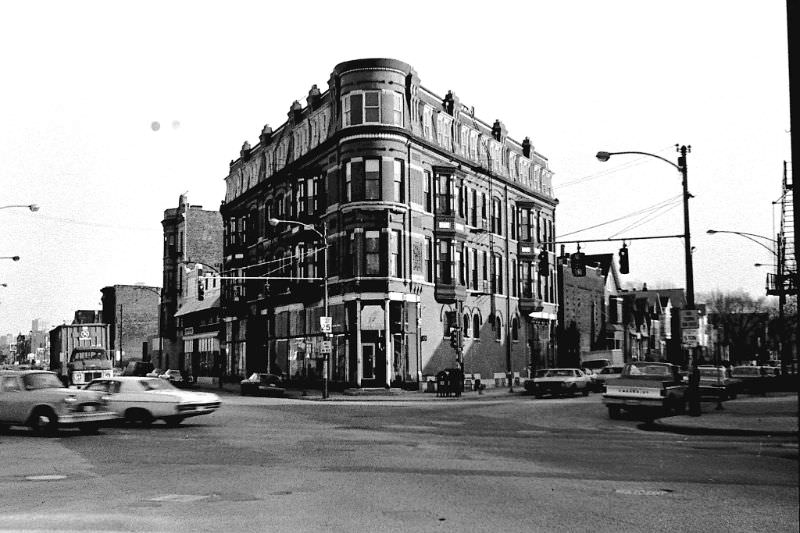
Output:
x,y
142,400
592,375
154,373
260,384
716,382
558,382
39,400
753,379
606,374
176,377
138,368
650,389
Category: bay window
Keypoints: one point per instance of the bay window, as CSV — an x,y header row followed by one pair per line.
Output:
x,y
373,107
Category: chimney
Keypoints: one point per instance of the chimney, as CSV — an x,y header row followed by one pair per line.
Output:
x,y
266,135
295,112
526,147
314,97
245,151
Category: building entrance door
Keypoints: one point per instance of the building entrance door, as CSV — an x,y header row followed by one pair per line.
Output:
x,y
373,365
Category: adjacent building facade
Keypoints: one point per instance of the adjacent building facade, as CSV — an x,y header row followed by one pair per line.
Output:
x,y
427,219
192,237
132,312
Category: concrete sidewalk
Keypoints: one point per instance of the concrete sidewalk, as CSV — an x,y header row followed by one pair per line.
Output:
x,y
776,413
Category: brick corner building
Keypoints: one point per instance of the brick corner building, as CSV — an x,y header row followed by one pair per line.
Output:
x,y
434,220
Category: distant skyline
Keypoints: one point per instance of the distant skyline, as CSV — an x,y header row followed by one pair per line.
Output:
x,y
86,84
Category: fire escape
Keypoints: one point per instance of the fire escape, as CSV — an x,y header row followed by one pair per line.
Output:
x,y
782,282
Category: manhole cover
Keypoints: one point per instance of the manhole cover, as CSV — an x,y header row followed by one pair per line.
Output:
x,y
643,492
46,477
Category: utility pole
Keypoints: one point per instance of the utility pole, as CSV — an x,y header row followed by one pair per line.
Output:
x,y
793,21
120,332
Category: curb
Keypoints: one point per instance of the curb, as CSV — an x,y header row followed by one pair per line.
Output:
x,y
693,430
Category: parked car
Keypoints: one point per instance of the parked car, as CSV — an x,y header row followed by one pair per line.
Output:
x,y
716,382
139,368
592,375
262,385
154,373
605,375
39,400
177,378
753,379
141,400
647,388
558,382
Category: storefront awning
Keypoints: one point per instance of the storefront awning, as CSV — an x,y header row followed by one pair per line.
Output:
x,y
197,305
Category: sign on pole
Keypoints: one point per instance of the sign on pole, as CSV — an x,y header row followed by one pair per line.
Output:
x,y
325,347
690,319
690,328
325,324
690,338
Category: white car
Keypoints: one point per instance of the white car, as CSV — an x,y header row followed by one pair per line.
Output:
x,y
558,382
39,400
141,400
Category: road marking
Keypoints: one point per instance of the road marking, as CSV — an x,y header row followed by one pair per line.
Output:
x,y
45,477
179,498
643,492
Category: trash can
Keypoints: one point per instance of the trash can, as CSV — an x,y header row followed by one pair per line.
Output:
x,y
442,383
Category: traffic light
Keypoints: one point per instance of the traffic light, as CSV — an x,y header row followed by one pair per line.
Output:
x,y
544,263
455,338
201,293
578,263
624,267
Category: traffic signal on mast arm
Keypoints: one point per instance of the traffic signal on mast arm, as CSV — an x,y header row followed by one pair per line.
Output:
x,y
624,266
201,293
578,263
543,265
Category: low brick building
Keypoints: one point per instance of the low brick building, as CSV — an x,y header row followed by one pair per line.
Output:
x,y
132,313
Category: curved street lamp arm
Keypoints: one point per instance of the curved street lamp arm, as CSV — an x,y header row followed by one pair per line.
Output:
x,y
309,227
32,207
749,236
216,270
603,156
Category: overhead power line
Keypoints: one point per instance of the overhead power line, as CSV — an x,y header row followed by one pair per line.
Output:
x,y
636,213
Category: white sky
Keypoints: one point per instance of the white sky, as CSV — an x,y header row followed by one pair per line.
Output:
x,y
83,81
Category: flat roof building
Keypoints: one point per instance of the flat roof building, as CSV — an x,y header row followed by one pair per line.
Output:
x,y
432,221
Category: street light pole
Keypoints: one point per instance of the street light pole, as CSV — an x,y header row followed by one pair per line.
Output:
x,y
682,167
779,284
324,236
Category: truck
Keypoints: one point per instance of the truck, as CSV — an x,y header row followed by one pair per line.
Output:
x,y
79,353
649,389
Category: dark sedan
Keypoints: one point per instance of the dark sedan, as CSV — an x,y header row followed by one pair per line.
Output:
x,y
262,385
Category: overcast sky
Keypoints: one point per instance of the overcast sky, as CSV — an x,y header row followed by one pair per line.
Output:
x,y
83,83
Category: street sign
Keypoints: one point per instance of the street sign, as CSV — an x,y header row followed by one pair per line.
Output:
x,y
690,338
325,324
325,347
690,319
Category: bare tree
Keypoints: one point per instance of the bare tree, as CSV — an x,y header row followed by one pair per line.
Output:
x,y
742,323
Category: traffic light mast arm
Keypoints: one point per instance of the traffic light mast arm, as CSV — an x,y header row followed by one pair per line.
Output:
x,y
580,241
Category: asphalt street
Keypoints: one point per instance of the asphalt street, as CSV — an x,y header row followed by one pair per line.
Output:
x,y
515,464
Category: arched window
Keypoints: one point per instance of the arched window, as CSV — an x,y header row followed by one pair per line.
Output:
x,y
466,325
476,326
498,328
515,329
